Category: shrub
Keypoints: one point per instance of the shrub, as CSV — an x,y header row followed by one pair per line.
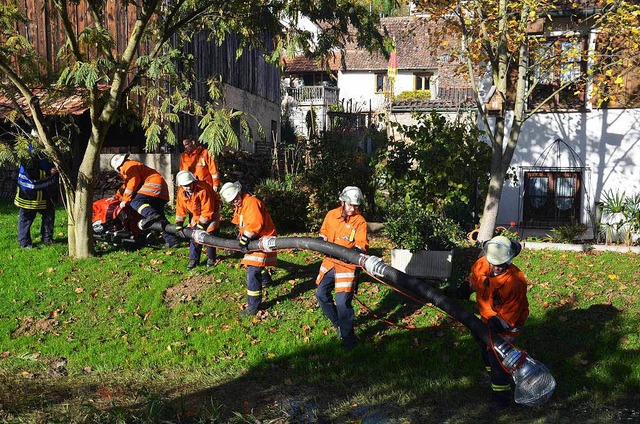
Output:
x,y
239,165
287,205
410,226
621,217
336,162
415,95
568,233
440,164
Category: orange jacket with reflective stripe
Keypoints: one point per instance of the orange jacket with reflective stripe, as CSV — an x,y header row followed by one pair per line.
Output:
x,y
254,221
504,295
203,204
139,178
348,232
202,165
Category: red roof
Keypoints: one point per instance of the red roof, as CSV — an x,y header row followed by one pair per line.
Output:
x,y
51,102
301,64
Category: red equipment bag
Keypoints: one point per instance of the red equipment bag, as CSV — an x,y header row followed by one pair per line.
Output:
x,y
105,210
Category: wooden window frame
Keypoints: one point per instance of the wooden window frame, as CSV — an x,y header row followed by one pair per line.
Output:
x,y
549,213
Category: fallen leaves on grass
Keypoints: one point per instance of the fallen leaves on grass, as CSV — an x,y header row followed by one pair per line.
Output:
x,y
30,326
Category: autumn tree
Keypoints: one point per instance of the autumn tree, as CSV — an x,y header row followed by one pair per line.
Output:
x,y
517,65
108,71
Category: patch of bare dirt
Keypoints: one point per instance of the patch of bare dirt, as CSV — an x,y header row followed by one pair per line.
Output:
x,y
187,291
30,326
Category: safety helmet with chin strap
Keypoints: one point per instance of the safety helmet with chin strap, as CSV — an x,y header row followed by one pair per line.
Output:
x,y
184,178
500,250
118,160
352,195
230,191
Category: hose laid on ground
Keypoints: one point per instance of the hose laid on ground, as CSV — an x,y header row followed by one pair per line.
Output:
x,y
534,383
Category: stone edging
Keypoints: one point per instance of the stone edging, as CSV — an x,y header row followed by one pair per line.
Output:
x,y
534,245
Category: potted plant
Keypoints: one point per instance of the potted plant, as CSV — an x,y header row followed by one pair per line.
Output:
x,y
620,218
424,241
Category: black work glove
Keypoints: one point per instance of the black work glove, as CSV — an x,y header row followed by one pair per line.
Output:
x,y
495,324
180,230
243,243
463,291
357,249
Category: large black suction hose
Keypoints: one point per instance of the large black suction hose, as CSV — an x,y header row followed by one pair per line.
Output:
x,y
534,383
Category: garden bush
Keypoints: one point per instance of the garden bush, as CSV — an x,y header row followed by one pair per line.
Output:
x,y
411,226
287,205
440,164
336,162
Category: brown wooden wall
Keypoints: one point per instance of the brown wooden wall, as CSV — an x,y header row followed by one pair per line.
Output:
x,y
45,32
250,72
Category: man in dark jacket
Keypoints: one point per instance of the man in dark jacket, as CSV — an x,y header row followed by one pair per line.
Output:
x,y
37,181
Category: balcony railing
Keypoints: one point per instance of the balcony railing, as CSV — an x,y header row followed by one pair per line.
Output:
x,y
315,94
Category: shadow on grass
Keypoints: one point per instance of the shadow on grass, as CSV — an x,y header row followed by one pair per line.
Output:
x,y
438,379
408,376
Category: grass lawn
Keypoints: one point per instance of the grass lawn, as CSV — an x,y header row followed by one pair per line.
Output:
x,y
132,336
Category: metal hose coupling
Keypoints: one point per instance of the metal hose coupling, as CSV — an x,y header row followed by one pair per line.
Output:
x,y
534,384
199,236
267,244
374,266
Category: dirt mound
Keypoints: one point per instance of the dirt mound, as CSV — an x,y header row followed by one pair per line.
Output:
x,y
187,291
31,327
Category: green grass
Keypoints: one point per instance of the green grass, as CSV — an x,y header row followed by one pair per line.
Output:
x,y
131,336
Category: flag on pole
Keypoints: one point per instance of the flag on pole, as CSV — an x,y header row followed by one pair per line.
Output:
x,y
392,71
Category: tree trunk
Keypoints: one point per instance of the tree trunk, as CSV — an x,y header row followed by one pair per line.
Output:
x,y
491,203
82,231
81,243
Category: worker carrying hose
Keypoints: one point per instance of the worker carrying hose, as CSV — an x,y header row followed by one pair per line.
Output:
x,y
253,221
501,296
344,226
197,198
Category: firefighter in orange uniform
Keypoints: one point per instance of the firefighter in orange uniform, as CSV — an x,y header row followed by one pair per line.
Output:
x,y
254,222
145,191
501,296
200,162
197,199
346,227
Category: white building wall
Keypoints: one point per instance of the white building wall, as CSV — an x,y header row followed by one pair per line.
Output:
x,y
259,109
607,141
359,87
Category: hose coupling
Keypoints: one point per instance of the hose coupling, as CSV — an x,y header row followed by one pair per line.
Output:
x,y
199,235
374,266
267,244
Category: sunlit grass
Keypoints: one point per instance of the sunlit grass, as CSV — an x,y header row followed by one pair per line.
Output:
x,y
126,337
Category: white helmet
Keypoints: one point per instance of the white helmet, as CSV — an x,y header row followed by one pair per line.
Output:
x,y
501,250
118,160
229,191
184,178
352,195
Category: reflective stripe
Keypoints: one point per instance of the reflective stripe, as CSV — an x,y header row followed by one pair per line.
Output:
x,y
345,275
500,387
152,189
254,293
488,369
143,207
127,191
260,259
344,285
